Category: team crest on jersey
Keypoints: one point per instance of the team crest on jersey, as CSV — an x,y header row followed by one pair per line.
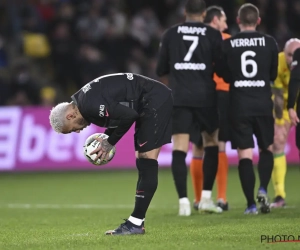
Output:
x,y
86,88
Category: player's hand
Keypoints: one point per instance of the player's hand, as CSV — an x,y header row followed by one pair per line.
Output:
x,y
103,150
293,117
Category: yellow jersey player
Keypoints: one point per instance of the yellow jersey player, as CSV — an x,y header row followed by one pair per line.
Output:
x,y
282,121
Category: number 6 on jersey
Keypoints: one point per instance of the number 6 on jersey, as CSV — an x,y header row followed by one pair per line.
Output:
x,y
245,62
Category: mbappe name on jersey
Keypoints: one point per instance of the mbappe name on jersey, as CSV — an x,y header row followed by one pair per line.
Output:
x,y
191,30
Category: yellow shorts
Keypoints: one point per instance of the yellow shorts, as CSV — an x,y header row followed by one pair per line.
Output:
x,y
285,118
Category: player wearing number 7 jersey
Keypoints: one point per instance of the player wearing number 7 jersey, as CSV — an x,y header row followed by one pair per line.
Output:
x,y
188,53
252,60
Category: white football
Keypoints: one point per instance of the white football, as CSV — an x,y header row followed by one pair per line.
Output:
x,y
91,144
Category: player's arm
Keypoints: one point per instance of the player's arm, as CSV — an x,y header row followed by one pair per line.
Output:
x,y
277,90
221,63
126,117
120,118
163,63
274,61
109,131
217,50
276,78
294,87
294,84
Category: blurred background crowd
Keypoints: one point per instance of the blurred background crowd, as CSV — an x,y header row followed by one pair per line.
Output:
x,y
50,48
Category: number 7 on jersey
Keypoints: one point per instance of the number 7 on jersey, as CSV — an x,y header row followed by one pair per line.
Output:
x,y
195,41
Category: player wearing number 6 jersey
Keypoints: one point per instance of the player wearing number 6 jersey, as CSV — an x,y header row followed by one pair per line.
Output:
x,y
252,60
188,53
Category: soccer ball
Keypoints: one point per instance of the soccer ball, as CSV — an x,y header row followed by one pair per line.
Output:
x,y
91,144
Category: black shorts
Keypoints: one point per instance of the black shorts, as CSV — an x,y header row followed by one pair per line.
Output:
x,y
184,118
195,135
154,129
223,106
298,136
243,129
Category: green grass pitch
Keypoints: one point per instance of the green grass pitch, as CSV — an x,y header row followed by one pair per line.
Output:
x,y
73,210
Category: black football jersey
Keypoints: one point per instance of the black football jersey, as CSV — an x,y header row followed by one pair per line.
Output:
x,y
116,101
294,84
250,66
187,54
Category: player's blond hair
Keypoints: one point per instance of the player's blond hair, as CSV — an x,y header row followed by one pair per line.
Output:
x,y
57,116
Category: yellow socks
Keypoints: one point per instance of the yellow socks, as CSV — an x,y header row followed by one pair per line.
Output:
x,y
278,174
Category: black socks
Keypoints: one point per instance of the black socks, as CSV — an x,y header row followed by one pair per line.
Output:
x,y
247,178
179,171
210,167
265,168
146,186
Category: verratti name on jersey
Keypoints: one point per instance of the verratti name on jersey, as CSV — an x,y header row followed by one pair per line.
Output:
x,y
248,42
191,30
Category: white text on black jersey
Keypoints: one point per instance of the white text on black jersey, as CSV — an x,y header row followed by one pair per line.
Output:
x,y
248,42
191,30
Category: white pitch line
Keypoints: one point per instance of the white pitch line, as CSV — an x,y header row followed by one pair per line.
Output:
x,y
290,207
91,206
66,206
80,235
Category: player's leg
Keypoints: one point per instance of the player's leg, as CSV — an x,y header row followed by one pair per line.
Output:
x,y
196,164
210,167
196,169
264,132
146,187
222,175
179,171
247,178
148,181
209,123
282,128
182,121
148,165
137,163
154,130
242,140
223,105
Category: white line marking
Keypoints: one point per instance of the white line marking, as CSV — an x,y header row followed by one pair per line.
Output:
x,y
95,206
66,206
79,235
289,207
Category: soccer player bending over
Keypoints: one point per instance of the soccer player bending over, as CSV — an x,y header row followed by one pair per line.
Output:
x,y
116,101
282,121
216,18
187,55
294,88
252,61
